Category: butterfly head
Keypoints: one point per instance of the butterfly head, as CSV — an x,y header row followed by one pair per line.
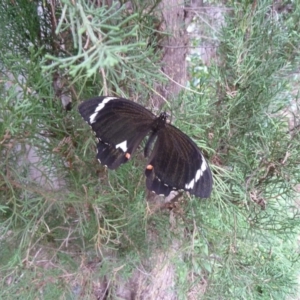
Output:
x,y
160,121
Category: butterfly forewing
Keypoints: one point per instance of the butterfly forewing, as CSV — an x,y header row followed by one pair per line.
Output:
x,y
119,124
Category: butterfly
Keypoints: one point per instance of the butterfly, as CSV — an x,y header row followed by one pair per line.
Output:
x,y
174,160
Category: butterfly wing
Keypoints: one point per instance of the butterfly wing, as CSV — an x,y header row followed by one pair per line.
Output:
x,y
176,163
119,125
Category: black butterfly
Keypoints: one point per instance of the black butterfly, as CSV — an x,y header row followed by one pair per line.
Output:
x,y
175,163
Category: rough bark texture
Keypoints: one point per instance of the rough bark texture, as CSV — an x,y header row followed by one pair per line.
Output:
x,y
160,282
175,50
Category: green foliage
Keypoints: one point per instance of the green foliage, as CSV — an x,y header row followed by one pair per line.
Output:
x,y
66,223
21,32
251,230
58,209
111,41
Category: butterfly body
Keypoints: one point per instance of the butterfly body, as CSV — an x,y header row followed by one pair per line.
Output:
x,y
175,162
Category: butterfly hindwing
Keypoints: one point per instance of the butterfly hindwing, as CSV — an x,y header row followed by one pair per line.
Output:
x,y
176,163
119,125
